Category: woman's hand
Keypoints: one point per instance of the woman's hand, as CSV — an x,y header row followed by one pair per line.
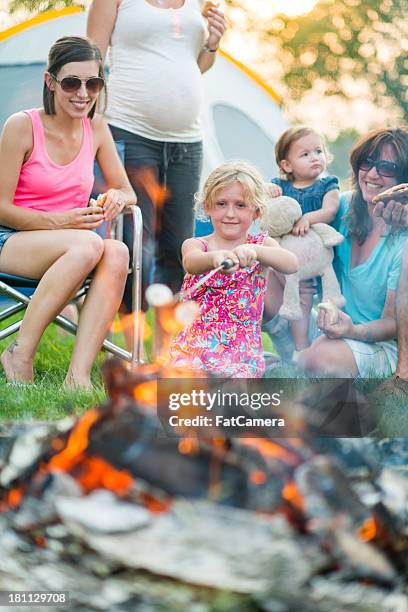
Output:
x,y
301,227
114,204
394,213
342,329
217,25
79,218
246,255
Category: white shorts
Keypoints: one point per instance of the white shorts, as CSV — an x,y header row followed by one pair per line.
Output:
x,y
373,360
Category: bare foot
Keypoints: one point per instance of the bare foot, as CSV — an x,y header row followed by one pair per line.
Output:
x,y
17,368
77,383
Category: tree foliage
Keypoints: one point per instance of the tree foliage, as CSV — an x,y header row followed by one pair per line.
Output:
x,y
348,39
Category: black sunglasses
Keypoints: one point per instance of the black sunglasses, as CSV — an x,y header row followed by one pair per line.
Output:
x,y
71,84
383,167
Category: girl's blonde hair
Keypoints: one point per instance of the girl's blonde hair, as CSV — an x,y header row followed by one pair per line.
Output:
x,y
254,187
287,139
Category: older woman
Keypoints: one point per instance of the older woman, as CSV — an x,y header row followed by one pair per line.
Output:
x,y
46,176
362,342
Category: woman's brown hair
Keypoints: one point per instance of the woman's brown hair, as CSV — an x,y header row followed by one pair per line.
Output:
x,y
358,220
65,50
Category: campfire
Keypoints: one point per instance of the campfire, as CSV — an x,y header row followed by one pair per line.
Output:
x,y
111,508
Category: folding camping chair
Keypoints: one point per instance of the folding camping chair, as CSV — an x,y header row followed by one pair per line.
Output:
x,y
8,284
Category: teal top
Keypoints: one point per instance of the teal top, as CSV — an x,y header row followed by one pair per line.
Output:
x,y
366,285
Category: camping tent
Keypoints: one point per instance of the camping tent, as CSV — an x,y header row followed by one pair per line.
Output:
x,y
242,117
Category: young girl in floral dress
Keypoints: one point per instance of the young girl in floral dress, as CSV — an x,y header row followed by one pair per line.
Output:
x,y
225,339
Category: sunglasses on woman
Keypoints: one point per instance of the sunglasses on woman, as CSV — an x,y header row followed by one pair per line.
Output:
x,y
71,84
383,167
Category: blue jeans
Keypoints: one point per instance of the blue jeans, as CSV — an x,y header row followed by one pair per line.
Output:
x,y
177,167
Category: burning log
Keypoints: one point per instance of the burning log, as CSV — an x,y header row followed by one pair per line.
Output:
x,y
292,517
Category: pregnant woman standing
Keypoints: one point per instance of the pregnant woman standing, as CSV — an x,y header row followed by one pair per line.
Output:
x,y
158,51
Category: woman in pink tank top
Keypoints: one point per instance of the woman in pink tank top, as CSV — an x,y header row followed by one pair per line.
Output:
x,y
46,177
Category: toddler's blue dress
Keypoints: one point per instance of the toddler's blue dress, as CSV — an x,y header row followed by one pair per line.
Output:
x,y
310,198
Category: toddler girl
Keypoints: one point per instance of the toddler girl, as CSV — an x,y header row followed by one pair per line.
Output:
x,y
225,339
302,158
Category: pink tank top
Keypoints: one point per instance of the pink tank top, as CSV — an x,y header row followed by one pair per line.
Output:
x,y
49,187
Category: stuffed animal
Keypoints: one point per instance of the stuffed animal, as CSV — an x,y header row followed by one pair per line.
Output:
x,y
313,250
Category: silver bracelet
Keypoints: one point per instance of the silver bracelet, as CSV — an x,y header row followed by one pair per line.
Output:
x,y
209,50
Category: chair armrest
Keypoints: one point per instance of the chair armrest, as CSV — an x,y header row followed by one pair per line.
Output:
x,y
136,269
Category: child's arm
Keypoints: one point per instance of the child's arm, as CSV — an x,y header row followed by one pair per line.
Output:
x,y
197,261
272,255
325,214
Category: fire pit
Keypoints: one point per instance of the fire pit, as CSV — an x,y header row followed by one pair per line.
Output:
x,y
111,508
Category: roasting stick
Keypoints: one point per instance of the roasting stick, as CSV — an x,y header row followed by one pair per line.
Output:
x,y
158,295
168,306
225,265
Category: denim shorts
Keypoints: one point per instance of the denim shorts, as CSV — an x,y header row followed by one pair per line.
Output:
x,y
5,233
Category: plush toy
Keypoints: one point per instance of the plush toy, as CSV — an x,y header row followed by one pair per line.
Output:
x,y
313,250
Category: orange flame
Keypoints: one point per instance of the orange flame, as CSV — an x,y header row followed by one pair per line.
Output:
x,y
167,320
157,193
188,446
40,541
368,530
146,393
126,323
291,493
77,443
155,505
13,499
258,477
58,444
271,449
93,471
15,496
96,473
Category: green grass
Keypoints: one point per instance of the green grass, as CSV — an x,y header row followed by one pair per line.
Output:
x,y
47,400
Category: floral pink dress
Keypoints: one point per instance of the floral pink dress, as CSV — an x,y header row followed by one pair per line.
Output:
x,y
225,339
